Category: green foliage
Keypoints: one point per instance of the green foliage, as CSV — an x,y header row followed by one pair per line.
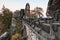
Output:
x,y
8,19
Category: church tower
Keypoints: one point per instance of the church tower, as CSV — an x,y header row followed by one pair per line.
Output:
x,y
3,7
27,9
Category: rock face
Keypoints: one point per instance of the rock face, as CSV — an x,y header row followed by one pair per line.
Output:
x,y
54,9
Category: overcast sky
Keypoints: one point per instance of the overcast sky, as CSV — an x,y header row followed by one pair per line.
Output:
x,y
19,4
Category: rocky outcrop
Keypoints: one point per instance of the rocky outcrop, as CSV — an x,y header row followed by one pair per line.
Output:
x,y
54,9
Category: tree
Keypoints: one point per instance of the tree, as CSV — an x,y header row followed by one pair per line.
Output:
x,y
7,17
18,22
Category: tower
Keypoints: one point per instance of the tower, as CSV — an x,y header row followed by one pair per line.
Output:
x,y
27,9
3,7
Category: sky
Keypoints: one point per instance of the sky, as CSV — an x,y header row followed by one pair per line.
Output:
x,y
20,4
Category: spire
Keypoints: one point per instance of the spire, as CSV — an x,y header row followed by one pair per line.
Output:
x,y
3,7
27,7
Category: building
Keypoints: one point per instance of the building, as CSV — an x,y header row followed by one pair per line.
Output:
x,y
27,9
